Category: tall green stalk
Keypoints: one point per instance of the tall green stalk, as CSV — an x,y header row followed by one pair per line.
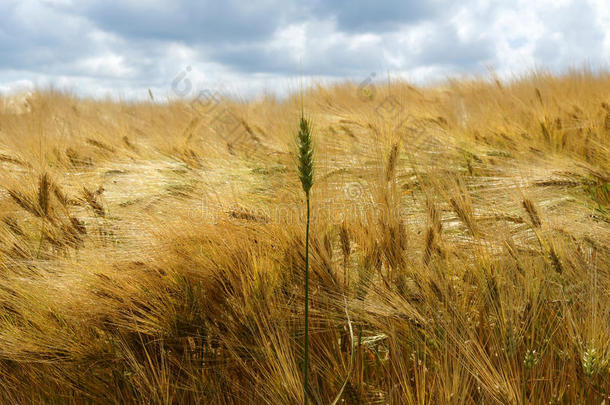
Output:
x,y
305,156
306,366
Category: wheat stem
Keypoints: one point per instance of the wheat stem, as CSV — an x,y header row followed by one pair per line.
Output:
x,y
306,366
305,157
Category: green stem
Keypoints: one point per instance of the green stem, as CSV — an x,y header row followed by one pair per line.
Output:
x,y
306,366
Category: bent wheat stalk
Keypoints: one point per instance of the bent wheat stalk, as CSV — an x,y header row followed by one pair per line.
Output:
x,y
306,161
350,368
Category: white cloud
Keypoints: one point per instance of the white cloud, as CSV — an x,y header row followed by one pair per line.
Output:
x,y
107,65
292,40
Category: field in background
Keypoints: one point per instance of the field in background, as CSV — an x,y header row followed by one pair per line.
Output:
x,y
153,253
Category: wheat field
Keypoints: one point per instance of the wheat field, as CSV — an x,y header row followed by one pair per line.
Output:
x,y
153,252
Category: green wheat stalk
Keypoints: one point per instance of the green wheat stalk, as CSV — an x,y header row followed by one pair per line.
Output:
x,y
306,161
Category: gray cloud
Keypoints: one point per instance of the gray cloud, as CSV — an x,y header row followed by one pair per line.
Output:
x,y
377,16
191,21
139,44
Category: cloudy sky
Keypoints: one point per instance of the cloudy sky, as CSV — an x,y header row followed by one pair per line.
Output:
x,y
124,47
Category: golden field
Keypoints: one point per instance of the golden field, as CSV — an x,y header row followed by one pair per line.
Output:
x,y
153,253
